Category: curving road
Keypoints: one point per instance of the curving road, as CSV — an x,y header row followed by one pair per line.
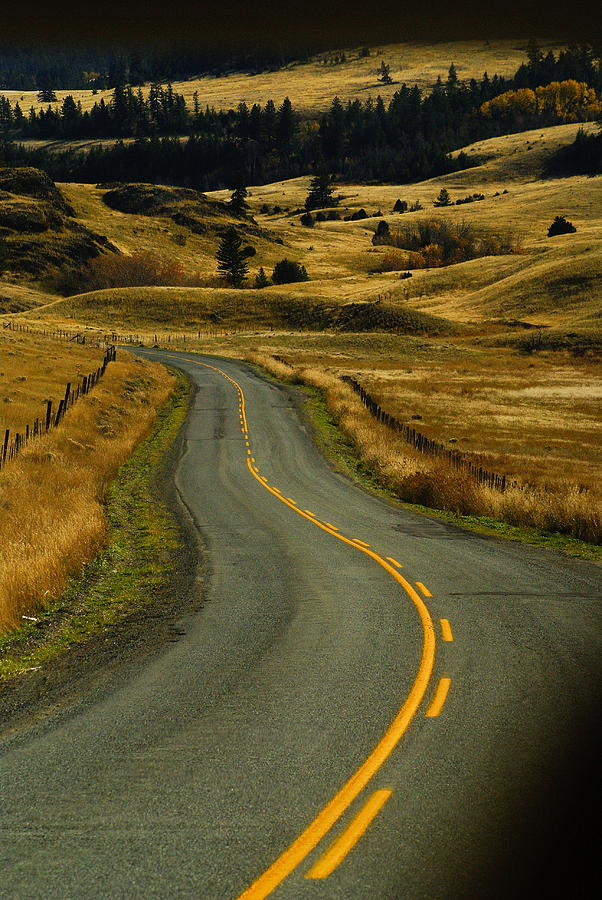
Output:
x,y
370,704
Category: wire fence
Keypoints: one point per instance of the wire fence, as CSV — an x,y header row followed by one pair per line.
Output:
x,y
428,446
54,414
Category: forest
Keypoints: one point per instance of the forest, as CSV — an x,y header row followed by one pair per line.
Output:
x,y
162,139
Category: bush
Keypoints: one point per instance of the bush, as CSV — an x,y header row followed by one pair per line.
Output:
x,y
307,219
432,243
143,268
560,225
416,206
400,206
359,214
286,271
472,198
320,217
382,235
333,216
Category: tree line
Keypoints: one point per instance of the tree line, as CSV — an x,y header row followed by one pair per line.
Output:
x,y
409,138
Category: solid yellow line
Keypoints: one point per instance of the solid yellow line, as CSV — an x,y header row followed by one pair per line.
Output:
x,y
329,814
278,491
361,543
309,513
424,589
446,631
290,500
334,528
394,561
339,849
438,700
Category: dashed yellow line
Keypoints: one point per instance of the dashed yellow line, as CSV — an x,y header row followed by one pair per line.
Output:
x,y
361,543
446,631
436,704
339,849
269,880
424,589
333,527
394,562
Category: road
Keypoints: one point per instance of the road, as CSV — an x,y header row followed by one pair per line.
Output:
x,y
369,704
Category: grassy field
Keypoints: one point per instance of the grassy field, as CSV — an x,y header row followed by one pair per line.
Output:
x,y
453,350
51,516
312,85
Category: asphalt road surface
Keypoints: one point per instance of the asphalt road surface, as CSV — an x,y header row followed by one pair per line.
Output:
x,y
369,704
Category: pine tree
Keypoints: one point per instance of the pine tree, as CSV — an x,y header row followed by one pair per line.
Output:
x,y
46,95
400,206
261,279
443,198
384,73
232,257
238,202
320,193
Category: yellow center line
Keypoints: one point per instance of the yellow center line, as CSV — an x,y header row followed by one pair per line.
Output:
x,y
446,631
309,513
436,704
334,528
424,589
339,849
361,543
334,809
290,500
394,562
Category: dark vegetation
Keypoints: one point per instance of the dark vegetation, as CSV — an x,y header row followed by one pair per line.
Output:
x,y
286,272
409,138
561,225
28,69
432,243
582,157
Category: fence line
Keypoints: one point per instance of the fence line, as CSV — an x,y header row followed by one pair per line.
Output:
x,y
110,338
420,442
11,447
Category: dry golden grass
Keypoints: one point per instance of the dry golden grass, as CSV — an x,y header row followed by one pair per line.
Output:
x,y
312,85
34,368
51,513
568,505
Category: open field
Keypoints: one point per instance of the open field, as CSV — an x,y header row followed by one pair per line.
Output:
x,y
455,346
312,85
51,516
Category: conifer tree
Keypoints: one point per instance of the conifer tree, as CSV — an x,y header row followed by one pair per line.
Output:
x,y
384,73
238,202
232,257
261,279
320,193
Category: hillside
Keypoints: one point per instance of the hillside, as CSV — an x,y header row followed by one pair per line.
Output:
x,y
313,84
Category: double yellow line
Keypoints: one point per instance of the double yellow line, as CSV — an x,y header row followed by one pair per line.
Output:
x,y
334,809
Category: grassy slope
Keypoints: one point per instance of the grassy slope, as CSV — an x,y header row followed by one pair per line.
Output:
x,y
554,281
312,85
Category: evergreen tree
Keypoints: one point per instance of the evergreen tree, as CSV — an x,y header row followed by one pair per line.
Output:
x,y
286,271
238,202
401,206
232,257
261,279
384,73
320,193
46,95
443,198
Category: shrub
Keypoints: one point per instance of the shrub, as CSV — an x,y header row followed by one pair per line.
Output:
x,y
382,235
400,206
560,225
432,243
307,219
416,205
286,271
141,268
334,216
359,214
320,217
392,261
472,198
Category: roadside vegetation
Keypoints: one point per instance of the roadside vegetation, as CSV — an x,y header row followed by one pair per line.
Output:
x,y
568,506
52,519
